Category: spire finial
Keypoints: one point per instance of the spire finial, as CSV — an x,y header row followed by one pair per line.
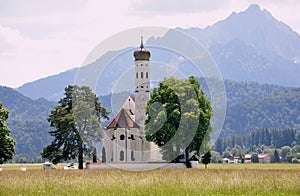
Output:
x,y
142,45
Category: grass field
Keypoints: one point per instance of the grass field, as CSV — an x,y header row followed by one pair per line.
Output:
x,y
242,179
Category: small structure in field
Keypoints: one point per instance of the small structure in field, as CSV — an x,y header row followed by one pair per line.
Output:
x,y
23,169
47,165
262,158
232,159
71,166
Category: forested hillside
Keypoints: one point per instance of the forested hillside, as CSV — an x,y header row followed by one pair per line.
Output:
x,y
27,122
279,110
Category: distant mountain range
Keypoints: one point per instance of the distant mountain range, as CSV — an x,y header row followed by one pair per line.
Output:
x,y
247,46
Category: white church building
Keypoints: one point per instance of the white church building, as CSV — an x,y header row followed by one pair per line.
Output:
x,y
124,137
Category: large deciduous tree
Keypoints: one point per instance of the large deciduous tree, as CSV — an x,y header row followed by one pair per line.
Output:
x,y
77,125
7,144
178,118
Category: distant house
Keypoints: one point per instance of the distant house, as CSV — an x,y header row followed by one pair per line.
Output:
x,y
232,159
248,158
262,158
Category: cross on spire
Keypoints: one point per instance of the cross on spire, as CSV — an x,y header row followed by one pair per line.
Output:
x,y
142,45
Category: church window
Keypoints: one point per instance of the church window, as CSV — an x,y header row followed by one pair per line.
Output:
x,y
147,75
132,137
142,75
122,155
122,137
137,75
132,156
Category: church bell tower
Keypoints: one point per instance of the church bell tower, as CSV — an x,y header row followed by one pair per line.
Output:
x,y
142,83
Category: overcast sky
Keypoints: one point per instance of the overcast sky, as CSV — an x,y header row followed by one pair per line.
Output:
x,y
39,38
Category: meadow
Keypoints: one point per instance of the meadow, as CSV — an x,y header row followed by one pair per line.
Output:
x,y
218,179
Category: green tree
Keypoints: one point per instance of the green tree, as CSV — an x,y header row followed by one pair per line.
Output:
x,y
7,144
254,158
284,151
178,118
275,158
77,125
206,158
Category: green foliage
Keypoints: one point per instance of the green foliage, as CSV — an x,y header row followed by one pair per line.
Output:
x,y
295,160
254,158
272,111
7,144
28,124
275,158
178,117
275,138
77,123
284,151
206,158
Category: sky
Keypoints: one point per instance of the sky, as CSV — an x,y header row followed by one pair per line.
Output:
x,y
43,38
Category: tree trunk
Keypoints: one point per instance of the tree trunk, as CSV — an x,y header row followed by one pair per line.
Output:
x,y
94,155
80,156
187,159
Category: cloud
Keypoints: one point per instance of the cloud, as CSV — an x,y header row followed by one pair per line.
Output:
x,y
176,6
37,7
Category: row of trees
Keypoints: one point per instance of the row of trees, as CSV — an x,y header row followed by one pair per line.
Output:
x,y
275,138
283,154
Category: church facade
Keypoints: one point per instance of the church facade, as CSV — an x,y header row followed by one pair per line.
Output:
x,y
124,136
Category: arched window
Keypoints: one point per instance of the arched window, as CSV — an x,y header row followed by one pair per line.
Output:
x,y
122,137
132,156
147,75
137,75
142,75
122,155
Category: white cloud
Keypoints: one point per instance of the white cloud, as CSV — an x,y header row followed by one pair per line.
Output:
x,y
177,6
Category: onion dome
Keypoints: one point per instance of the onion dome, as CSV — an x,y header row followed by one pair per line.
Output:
x,y
141,53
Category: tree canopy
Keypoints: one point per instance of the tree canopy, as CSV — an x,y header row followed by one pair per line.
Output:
x,y
178,117
7,144
77,125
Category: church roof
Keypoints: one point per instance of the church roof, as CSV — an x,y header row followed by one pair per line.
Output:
x,y
122,120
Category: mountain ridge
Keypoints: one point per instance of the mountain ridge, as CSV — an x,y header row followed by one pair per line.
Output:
x,y
250,45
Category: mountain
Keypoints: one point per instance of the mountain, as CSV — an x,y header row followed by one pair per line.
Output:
x,y
51,87
248,46
27,122
253,46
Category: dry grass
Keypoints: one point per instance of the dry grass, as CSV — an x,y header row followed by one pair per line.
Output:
x,y
213,181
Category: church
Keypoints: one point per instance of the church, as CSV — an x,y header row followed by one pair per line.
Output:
x,y
124,136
